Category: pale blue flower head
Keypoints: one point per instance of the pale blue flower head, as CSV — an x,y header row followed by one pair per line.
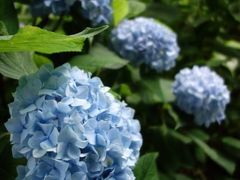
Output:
x,y
201,92
99,12
67,115
143,40
53,169
45,7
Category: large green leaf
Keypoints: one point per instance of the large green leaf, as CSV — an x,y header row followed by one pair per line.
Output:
x,y
120,10
99,57
156,90
224,162
32,38
8,15
15,65
146,168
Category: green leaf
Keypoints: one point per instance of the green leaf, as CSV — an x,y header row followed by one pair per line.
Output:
x,y
221,160
32,38
232,142
181,177
120,10
135,73
41,60
200,154
136,8
99,57
199,134
234,9
146,168
16,65
8,15
174,115
156,90
134,99
183,138
125,90
3,29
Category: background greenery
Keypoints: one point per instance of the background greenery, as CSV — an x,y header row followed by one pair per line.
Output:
x,y
174,147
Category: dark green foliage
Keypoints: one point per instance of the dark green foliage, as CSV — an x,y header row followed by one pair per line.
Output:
x,y
208,34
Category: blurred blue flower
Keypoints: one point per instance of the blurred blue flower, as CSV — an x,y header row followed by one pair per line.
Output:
x,y
67,115
201,92
99,12
143,40
45,7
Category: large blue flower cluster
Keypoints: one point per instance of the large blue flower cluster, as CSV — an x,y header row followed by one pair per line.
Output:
x,y
45,7
99,12
67,124
201,92
144,40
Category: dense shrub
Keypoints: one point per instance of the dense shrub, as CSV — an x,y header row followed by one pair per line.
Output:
x,y
171,64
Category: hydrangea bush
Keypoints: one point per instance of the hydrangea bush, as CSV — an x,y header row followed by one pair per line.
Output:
x,y
59,122
201,92
69,120
144,40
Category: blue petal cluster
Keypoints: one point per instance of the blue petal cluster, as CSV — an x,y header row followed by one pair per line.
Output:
x,y
49,168
201,92
99,12
143,40
67,125
45,7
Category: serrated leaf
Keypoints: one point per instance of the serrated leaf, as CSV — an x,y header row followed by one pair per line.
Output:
x,y
31,38
136,8
99,57
16,65
146,168
221,160
156,90
231,141
8,15
120,10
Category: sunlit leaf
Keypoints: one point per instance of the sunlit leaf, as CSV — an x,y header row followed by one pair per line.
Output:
x,y
31,38
120,10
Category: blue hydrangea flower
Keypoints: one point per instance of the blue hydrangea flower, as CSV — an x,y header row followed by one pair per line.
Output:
x,y
201,92
99,12
67,115
49,168
45,7
144,40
